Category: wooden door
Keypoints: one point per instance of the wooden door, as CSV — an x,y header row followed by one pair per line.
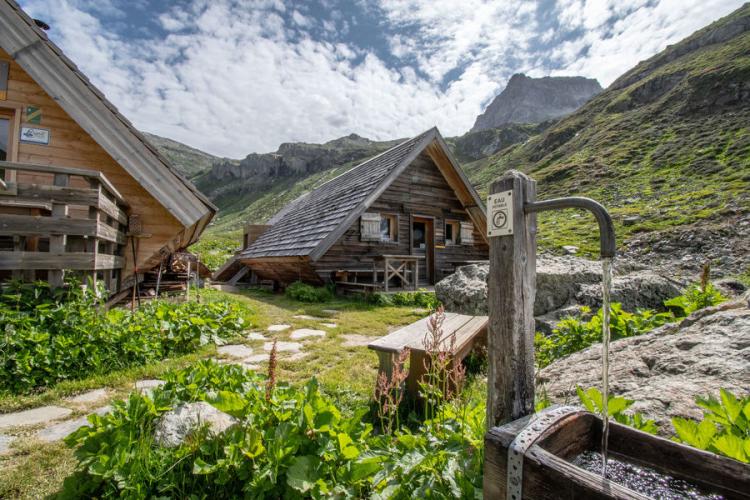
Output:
x,y
423,244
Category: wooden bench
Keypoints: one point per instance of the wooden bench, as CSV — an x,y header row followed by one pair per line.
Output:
x,y
468,330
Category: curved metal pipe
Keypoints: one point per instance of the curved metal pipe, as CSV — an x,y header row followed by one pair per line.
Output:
x,y
607,243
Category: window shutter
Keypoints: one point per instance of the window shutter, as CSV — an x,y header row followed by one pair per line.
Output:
x,y
369,227
467,233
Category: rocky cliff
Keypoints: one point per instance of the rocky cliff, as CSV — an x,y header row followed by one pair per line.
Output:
x,y
534,100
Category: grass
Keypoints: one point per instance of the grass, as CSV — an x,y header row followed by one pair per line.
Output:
x,y
36,470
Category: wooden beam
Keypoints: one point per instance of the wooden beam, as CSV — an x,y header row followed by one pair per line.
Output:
x,y
78,261
57,194
57,242
32,225
511,291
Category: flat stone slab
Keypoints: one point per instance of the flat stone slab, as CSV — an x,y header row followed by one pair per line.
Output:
x,y
64,429
304,316
255,336
304,333
5,442
148,384
235,351
278,328
33,417
256,358
89,397
355,340
283,346
329,325
297,356
330,312
250,366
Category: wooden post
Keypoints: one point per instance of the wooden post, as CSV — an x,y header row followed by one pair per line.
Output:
x,y
511,293
57,242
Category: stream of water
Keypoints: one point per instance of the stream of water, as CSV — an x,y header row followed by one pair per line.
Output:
x,y
606,287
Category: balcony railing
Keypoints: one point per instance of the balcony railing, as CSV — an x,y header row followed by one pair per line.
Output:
x,y
54,219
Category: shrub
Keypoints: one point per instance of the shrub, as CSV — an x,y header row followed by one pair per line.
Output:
x,y
725,428
592,400
572,334
295,444
66,336
420,298
306,293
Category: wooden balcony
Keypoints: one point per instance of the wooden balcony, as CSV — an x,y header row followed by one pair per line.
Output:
x,y
56,219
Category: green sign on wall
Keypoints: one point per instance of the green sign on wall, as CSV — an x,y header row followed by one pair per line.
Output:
x,y
33,115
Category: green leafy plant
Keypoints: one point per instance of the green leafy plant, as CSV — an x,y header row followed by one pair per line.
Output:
x,y
572,334
306,293
725,428
49,336
592,400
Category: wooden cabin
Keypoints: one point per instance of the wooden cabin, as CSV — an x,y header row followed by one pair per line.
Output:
x,y
405,218
81,190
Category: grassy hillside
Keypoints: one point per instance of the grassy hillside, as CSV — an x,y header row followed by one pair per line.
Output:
x,y
188,160
666,146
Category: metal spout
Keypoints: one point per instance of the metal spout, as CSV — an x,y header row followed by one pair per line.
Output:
x,y
607,243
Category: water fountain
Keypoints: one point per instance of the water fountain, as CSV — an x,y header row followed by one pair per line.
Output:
x,y
563,452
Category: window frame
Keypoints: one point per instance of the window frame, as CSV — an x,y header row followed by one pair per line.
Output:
x,y
456,228
393,236
14,111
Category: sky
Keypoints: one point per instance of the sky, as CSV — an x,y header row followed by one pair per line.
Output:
x,y
236,77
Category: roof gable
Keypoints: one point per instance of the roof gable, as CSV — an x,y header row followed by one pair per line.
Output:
x,y
84,103
311,224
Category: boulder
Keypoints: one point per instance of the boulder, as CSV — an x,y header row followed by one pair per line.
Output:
x,y
665,370
562,282
637,290
175,425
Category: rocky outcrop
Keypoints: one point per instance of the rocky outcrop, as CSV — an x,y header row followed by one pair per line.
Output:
x,y
480,144
177,424
291,161
534,100
563,284
665,370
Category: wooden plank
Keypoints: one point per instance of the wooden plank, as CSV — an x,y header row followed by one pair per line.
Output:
x,y
108,233
511,291
31,225
57,242
57,261
55,169
414,334
104,262
57,194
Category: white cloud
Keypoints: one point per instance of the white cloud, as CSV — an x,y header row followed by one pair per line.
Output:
x,y
233,79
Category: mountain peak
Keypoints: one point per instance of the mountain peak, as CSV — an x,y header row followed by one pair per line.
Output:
x,y
534,100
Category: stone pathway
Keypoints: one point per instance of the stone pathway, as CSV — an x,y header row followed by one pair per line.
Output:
x,y
88,397
329,325
256,336
33,417
256,358
305,316
67,427
283,346
235,351
304,333
278,328
330,312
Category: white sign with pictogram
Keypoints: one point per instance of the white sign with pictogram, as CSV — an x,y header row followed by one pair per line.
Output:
x,y
500,214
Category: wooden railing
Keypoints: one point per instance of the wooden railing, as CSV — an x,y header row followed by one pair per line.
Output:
x,y
55,219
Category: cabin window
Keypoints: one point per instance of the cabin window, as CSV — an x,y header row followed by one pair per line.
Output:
x,y
452,232
4,138
419,235
369,227
467,233
388,227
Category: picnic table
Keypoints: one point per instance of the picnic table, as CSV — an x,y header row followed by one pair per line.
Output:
x,y
398,266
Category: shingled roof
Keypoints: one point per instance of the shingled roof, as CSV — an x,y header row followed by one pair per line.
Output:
x,y
73,91
308,226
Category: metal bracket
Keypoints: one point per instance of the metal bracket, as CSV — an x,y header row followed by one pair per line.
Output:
x,y
523,441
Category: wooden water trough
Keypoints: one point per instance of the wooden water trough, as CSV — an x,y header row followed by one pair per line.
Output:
x,y
529,456
537,464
